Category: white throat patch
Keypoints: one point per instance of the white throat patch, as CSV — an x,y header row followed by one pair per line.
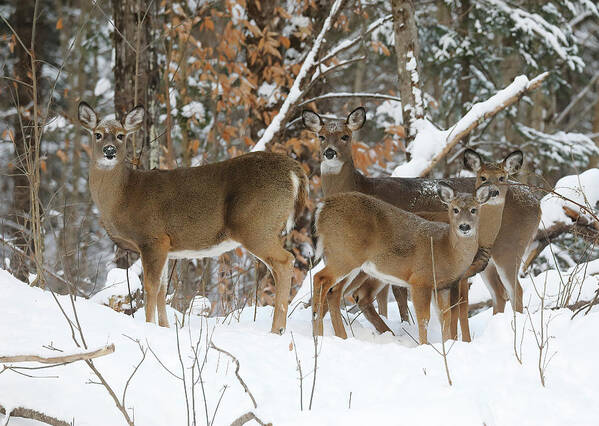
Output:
x,y
330,167
106,164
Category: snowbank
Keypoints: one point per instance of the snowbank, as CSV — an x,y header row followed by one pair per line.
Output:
x,y
390,379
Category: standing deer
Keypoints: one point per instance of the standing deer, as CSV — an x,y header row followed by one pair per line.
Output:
x,y
359,232
521,214
194,212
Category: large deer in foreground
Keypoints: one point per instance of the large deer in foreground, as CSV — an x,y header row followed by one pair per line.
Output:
x,y
194,212
359,232
519,223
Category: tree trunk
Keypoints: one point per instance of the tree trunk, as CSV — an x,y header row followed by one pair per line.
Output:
x,y
23,136
408,69
135,75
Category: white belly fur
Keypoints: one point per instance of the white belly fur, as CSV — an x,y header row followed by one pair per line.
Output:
x,y
370,269
213,251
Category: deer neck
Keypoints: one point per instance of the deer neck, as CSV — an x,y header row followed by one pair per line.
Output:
x,y
490,223
107,187
460,249
346,179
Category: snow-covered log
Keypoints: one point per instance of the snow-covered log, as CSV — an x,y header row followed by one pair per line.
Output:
x,y
432,144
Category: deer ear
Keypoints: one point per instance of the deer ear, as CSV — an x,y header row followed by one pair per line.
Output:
x,y
87,116
355,119
445,192
134,119
513,162
312,120
483,193
472,160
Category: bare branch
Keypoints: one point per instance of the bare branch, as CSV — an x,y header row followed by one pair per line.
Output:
x,y
243,419
351,95
236,361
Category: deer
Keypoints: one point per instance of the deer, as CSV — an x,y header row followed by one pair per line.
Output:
x,y
194,212
520,219
357,232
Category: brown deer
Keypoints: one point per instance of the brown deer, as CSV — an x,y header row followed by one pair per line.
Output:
x,y
519,223
359,232
194,212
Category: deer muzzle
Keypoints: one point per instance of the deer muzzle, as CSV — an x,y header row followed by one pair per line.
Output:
x,y
109,151
330,153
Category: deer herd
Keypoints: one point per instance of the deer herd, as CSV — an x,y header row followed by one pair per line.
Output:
x,y
428,236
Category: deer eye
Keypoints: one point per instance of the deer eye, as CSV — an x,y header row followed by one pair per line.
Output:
x,y
501,179
120,136
321,138
345,138
483,178
473,211
98,136
455,210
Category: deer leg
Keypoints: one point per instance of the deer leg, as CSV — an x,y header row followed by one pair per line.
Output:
x,y
464,288
161,298
382,300
321,280
454,300
507,269
444,306
153,258
334,304
365,295
401,297
495,287
281,267
421,297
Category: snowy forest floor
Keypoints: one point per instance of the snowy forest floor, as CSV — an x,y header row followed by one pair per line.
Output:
x,y
388,379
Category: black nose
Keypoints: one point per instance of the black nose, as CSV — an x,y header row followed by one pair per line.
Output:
x,y
330,153
495,193
109,151
464,227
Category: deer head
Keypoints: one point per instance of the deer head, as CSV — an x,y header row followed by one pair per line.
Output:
x,y
493,173
109,136
464,212
335,138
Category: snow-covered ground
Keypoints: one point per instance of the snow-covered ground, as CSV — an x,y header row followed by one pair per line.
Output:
x,y
389,378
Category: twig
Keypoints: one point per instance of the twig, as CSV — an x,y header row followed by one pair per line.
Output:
x,y
299,369
236,361
351,95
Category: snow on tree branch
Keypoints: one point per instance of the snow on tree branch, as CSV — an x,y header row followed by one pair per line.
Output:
x,y
75,356
296,89
352,95
432,144
551,35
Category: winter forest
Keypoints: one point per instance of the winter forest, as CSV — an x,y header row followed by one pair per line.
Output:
x,y
230,212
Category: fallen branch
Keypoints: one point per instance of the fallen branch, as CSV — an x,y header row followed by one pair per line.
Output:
x,y
580,225
243,419
236,361
28,413
106,350
352,95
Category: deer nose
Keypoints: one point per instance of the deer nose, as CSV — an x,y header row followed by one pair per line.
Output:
x,y
464,227
494,193
109,151
330,153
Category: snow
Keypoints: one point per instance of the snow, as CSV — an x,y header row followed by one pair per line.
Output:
x,y
102,86
116,283
295,91
388,377
430,141
582,189
194,109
